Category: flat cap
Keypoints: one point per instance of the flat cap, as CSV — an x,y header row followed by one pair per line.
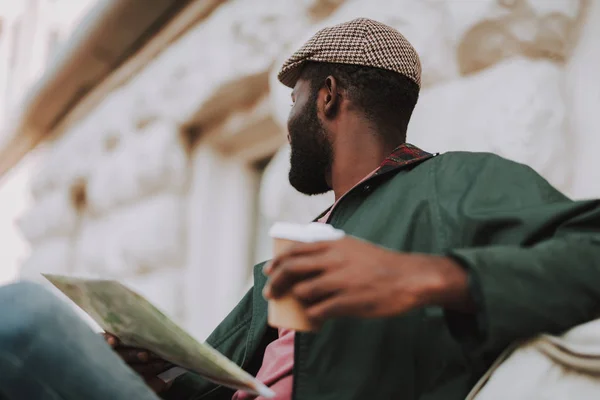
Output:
x,y
361,41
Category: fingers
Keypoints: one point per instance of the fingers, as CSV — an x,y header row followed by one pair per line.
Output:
x,y
298,249
133,355
328,296
340,305
111,339
144,363
151,369
295,269
317,289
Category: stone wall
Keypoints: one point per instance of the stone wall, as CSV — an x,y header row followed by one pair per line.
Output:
x,y
129,193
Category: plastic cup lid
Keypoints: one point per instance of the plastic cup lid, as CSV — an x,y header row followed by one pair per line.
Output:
x,y
308,233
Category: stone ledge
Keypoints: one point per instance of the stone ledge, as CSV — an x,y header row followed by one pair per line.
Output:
x,y
146,162
90,56
145,237
54,215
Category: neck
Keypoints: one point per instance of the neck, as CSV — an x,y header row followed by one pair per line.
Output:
x,y
357,153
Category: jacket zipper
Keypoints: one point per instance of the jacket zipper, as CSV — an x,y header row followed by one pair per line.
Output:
x,y
295,368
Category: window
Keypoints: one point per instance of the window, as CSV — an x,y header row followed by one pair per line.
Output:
x,y
262,248
53,42
13,51
15,44
1,39
260,244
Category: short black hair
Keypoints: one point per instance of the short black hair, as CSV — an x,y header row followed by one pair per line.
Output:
x,y
387,98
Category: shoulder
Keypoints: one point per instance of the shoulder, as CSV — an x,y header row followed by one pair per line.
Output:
x,y
473,161
489,174
473,164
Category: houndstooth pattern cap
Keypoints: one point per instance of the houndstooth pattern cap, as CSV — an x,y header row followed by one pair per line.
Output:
x,y
361,41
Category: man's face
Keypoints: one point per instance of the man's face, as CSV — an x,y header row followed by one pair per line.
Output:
x,y
311,155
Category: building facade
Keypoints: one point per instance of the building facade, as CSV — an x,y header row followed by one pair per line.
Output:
x,y
31,32
171,182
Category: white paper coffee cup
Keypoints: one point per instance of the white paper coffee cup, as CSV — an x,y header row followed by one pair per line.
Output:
x,y
286,311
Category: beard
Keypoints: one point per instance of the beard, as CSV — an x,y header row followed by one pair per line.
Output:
x,y
311,152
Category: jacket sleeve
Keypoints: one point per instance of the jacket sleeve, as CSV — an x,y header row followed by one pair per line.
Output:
x,y
533,255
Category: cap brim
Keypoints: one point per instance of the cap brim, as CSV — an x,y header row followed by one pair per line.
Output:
x,y
290,74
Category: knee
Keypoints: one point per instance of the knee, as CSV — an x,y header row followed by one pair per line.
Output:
x,y
28,297
27,309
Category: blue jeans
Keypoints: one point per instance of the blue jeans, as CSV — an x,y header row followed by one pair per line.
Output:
x,y
48,352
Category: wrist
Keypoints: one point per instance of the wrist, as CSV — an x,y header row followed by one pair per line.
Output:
x,y
449,286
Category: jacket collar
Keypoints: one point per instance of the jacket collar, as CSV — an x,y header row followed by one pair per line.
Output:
x,y
403,155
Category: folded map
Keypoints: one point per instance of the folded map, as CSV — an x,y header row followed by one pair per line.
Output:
x,y
136,322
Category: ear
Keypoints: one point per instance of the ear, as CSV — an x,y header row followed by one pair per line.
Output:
x,y
332,97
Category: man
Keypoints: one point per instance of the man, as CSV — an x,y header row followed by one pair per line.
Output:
x,y
448,259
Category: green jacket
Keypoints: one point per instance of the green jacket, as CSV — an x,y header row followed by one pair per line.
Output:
x,y
533,258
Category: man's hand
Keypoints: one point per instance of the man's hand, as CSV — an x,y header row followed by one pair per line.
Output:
x,y
141,361
350,277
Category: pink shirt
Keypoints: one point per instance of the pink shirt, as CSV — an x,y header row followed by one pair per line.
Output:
x,y
276,369
278,361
